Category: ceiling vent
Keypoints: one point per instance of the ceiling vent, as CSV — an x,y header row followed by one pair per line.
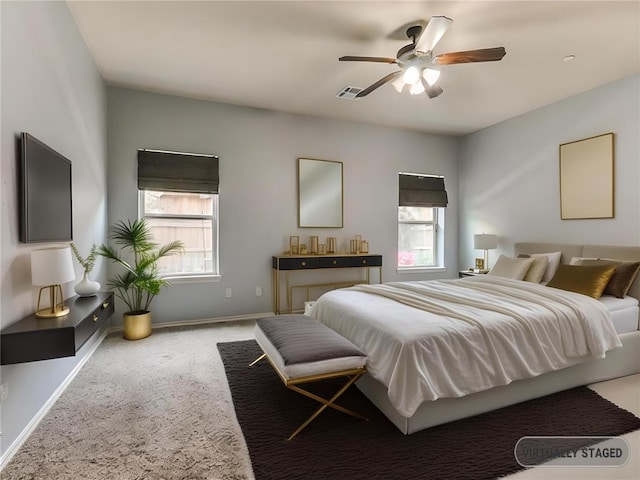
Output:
x,y
349,92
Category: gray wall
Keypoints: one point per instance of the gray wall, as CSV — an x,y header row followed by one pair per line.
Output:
x,y
509,173
51,89
258,152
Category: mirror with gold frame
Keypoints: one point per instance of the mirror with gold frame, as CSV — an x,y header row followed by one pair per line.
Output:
x,y
320,198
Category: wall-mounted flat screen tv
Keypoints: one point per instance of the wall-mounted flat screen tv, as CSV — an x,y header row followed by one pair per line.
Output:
x,y
45,197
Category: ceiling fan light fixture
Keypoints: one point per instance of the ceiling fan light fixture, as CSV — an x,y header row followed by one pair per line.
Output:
x,y
398,84
416,89
419,67
431,75
411,75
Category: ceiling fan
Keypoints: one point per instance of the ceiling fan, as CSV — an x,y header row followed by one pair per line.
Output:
x,y
419,67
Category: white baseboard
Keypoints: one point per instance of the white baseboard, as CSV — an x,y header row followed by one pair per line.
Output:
x,y
204,321
17,443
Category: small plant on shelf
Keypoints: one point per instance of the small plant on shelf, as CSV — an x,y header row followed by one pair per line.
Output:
x,y
86,287
88,262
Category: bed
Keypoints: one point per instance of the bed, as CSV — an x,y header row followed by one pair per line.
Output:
x,y
420,379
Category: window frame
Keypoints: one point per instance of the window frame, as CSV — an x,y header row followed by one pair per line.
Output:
x,y
187,277
438,240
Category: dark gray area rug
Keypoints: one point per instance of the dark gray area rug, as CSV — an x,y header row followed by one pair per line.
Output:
x,y
336,446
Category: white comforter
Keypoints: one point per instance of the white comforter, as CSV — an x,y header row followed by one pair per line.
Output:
x,y
449,338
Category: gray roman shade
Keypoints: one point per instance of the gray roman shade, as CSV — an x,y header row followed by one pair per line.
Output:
x,y
177,172
422,191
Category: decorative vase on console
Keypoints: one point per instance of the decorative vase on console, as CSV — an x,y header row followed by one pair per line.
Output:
x,y
86,287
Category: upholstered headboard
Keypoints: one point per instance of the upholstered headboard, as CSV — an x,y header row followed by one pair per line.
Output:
x,y
591,251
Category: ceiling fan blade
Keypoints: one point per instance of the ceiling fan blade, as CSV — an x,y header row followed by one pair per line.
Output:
x,y
432,34
389,78
481,55
350,58
432,91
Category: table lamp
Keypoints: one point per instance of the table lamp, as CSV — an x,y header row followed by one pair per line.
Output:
x,y
486,242
50,268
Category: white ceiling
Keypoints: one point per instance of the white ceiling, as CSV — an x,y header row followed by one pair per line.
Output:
x,y
283,55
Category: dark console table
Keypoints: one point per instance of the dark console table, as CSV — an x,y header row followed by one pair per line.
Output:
x,y
287,263
33,339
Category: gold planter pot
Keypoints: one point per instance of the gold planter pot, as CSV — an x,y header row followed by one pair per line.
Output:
x,y
137,326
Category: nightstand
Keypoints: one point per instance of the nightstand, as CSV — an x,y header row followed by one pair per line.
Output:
x,y
469,273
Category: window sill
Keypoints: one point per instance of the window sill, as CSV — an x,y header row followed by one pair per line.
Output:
x,y
421,269
192,278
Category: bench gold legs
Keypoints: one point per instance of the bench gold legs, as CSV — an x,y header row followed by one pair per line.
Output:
x,y
292,384
325,403
257,359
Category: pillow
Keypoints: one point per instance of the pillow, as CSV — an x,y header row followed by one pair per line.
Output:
x,y
537,269
589,280
623,276
508,267
554,261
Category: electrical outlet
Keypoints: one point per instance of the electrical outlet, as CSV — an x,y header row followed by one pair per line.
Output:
x,y
4,392
258,291
227,293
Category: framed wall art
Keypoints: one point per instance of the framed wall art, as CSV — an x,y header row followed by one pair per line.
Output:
x,y
587,178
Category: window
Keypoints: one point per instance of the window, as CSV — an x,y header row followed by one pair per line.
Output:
x,y
179,201
189,217
417,236
422,199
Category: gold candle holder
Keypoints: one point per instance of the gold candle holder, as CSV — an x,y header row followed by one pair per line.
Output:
x,y
314,246
331,245
358,243
294,244
353,247
322,249
364,246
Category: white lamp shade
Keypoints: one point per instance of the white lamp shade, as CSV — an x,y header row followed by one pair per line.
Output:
x,y
431,75
416,89
485,241
51,266
411,75
398,84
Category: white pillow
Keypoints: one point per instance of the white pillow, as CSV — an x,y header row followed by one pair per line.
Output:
x,y
554,261
509,267
537,269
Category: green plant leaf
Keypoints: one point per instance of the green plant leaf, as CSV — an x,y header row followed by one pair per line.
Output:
x,y
137,254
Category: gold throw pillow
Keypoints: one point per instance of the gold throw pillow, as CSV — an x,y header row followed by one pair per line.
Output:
x,y
622,278
588,280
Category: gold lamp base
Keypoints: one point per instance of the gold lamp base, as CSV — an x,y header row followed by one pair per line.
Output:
x,y
58,311
57,308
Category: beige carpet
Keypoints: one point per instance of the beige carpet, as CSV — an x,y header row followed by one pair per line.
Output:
x,y
160,409
157,408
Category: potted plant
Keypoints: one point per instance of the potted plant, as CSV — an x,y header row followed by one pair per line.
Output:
x,y
86,287
139,281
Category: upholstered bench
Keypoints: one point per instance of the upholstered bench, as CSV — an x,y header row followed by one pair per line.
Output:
x,y
302,350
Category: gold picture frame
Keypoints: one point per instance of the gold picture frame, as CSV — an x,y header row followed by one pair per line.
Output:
x,y
587,178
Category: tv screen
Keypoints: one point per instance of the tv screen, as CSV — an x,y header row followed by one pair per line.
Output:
x,y
45,200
